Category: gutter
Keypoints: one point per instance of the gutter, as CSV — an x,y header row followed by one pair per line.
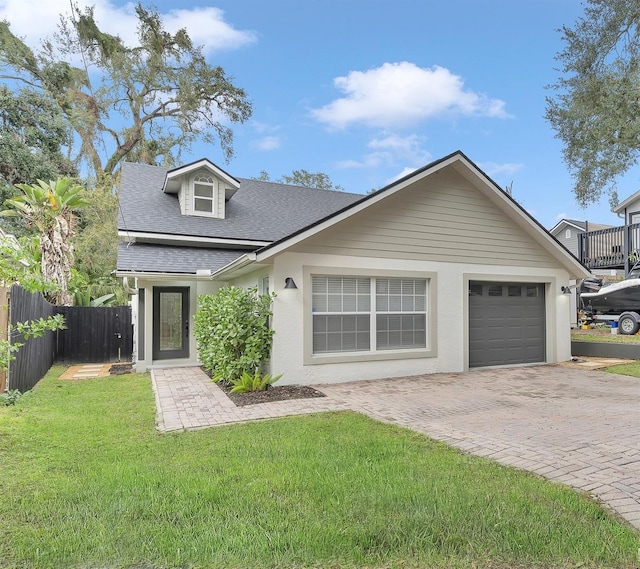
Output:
x,y
239,263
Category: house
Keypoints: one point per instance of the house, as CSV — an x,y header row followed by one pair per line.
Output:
x,y
615,248
440,271
608,247
568,232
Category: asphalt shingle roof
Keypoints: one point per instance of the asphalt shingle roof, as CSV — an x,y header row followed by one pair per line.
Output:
x,y
145,257
262,211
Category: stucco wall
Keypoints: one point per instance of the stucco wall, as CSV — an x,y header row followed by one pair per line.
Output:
x,y
449,315
196,288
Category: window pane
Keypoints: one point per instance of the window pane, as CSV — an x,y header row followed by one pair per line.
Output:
x,y
204,191
203,205
514,290
495,290
318,284
334,303
340,294
170,321
337,333
475,290
401,295
395,331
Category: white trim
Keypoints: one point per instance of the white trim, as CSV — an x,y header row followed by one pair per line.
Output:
x,y
566,222
167,238
166,276
236,264
429,351
622,205
176,173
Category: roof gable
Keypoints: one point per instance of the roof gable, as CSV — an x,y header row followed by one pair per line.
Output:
x,y
173,179
567,223
465,169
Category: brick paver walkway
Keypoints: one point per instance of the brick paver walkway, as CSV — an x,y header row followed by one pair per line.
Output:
x,y
577,427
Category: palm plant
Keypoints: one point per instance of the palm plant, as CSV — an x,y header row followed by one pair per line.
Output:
x,y
48,207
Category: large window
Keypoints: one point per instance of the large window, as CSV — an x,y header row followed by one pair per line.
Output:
x,y
203,194
345,319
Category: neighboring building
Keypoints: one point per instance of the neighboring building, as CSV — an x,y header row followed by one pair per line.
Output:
x,y
569,232
440,271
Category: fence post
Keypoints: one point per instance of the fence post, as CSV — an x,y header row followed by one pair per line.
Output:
x,y
4,328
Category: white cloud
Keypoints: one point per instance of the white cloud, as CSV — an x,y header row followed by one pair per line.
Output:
x,y
401,94
389,150
404,172
561,216
371,160
409,148
492,169
267,143
37,19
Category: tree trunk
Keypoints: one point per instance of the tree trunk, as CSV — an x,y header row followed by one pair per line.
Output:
x,y
57,259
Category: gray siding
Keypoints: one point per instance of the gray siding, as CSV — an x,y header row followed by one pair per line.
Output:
x,y
442,218
572,243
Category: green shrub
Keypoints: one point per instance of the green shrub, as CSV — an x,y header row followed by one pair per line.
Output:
x,y
232,332
255,382
10,397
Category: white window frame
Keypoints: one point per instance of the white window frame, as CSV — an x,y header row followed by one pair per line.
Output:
x,y
567,233
430,349
206,181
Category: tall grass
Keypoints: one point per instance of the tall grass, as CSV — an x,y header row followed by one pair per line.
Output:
x,y
86,481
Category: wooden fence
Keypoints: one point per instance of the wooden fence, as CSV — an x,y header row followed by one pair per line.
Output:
x,y
92,335
4,328
95,334
37,355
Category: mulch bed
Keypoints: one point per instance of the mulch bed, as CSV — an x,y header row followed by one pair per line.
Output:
x,y
121,369
272,393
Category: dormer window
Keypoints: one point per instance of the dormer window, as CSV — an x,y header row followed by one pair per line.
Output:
x,y
202,188
204,194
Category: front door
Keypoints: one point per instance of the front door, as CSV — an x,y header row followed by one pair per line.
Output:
x,y
170,323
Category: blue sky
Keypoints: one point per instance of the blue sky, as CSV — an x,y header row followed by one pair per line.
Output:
x,y
368,90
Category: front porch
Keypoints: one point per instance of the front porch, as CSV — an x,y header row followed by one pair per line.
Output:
x,y
611,248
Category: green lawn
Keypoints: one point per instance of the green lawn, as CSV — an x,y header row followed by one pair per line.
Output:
x,y
631,368
87,482
603,335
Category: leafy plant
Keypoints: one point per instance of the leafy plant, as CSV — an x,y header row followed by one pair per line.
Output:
x,y
10,397
83,298
29,329
49,207
232,332
256,382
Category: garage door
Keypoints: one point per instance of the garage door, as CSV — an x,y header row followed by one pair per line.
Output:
x,y
506,323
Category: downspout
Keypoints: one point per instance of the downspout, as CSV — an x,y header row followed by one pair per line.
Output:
x,y
127,288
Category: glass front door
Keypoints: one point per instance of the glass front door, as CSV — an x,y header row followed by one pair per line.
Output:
x,y
170,323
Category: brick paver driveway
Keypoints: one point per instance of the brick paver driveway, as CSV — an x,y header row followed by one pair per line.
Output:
x,y
575,426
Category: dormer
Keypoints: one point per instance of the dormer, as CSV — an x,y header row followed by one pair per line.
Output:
x,y
202,188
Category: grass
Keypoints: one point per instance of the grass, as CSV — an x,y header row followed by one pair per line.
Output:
x,y
88,482
630,368
603,335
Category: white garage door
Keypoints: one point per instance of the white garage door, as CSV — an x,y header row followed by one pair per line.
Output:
x,y
506,323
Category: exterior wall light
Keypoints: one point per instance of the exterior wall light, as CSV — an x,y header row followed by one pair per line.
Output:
x,y
289,283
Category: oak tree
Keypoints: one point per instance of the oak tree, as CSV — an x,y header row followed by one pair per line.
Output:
x,y
596,108
145,102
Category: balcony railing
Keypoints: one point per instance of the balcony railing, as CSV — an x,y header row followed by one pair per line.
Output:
x,y
612,248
